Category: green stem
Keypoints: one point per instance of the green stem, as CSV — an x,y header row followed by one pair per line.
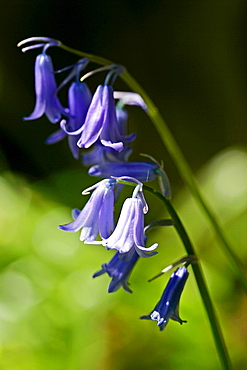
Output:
x,y
188,177
200,280
178,159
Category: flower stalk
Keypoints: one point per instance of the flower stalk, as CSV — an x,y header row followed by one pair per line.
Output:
x,y
97,122
200,280
179,160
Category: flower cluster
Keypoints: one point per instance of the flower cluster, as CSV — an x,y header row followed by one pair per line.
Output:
x,y
99,121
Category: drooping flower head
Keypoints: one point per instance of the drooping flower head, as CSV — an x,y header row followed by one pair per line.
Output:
x,y
101,122
47,101
97,215
100,154
129,231
79,98
168,306
119,269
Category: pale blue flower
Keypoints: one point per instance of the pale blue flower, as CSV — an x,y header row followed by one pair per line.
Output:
x,y
101,154
97,215
47,101
129,231
101,122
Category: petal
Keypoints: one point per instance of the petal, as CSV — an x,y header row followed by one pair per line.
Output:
x,y
122,118
90,231
148,249
138,231
145,317
130,98
88,214
163,325
104,182
75,213
39,110
143,171
110,135
106,216
99,273
94,156
54,109
115,284
122,237
145,254
94,120
119,270
45,88
55,137
110,144
79,97
171,295
72,141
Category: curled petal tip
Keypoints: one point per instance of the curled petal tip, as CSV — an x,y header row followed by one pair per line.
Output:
x,y
45,42
130,98
34,39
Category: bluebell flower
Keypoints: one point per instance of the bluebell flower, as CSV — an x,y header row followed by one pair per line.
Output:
x,y
119,269
101,154
101,122
79,98
167,307
47,101
129,231
143,171
97,215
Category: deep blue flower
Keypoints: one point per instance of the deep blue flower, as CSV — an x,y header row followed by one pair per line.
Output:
x,y
101,122
167,307
119,269
97,215
79,98
129,231
47,101
143,171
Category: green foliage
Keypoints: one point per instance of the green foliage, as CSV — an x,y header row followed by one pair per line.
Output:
x,y
53,315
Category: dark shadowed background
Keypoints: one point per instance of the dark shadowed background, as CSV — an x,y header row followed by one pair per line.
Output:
x,y
190,56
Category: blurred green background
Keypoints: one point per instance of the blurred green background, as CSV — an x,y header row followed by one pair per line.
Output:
x,y
191,58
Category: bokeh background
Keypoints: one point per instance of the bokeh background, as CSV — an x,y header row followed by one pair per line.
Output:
x,y
191,58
